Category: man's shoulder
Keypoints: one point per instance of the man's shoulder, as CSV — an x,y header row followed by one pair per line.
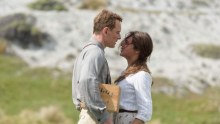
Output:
x,y
94,49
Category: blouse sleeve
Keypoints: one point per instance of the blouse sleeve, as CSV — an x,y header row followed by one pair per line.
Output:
x,y
143,95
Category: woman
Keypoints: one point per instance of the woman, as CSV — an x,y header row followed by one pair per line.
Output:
x,y
135,81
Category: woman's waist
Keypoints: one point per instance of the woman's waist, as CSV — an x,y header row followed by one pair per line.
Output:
x,y
129,111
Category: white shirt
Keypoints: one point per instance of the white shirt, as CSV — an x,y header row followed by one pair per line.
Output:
x,y
136,94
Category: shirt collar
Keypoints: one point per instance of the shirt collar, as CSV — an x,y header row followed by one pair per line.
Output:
x,y
94,41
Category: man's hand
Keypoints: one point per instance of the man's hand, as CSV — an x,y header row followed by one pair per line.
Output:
x,y
108,121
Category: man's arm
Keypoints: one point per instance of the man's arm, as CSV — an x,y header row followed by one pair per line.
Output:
x,y
89,82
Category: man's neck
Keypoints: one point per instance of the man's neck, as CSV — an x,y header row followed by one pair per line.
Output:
x,y
99,38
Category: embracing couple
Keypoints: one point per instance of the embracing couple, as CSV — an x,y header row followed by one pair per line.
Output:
x,y
91,69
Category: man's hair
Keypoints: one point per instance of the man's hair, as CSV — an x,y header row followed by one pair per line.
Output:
x,y
105,19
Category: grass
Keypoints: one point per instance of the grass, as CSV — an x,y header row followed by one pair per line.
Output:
x,y
192,109
24,89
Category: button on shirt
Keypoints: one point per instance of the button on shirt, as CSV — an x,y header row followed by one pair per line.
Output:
x,y
91,69
136,94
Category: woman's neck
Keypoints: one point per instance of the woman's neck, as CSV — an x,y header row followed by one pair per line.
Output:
x,y
131,59
130,62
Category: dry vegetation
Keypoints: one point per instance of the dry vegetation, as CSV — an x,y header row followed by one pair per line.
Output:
x,y
48,5
207,50
3,46
46,115
93,4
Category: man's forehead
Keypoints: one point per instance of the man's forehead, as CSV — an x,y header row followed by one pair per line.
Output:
x,y
117,25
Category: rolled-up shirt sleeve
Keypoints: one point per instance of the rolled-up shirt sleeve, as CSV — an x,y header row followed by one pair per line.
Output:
x,y
143,95
93,63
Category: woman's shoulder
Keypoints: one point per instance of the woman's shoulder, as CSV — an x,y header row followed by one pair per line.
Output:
x,y
140,77
143,73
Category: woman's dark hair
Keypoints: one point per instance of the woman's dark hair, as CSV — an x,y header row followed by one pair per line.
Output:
x,y
142,42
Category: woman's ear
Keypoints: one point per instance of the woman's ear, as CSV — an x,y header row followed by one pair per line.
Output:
x,y
137,51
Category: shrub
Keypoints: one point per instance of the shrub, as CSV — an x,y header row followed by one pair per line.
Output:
x,y
21,29
207,50
3,46
47,5
162,81
93,4
200,3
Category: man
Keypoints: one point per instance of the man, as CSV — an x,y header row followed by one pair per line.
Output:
x,y
91,69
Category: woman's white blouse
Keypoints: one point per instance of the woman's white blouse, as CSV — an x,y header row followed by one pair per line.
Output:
x,y
136,94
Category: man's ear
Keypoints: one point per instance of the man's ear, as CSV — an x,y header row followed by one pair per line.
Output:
x,y
105,30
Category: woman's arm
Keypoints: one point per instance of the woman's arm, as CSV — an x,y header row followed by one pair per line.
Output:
x,y
142,87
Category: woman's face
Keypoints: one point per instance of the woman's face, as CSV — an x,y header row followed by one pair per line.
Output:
x,y
127,48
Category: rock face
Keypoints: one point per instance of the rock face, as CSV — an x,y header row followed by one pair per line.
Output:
x,y
19,28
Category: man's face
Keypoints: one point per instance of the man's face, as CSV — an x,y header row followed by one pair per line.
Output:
x,y
113,35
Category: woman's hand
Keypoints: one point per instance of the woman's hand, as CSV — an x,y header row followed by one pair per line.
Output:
x,y
138,121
